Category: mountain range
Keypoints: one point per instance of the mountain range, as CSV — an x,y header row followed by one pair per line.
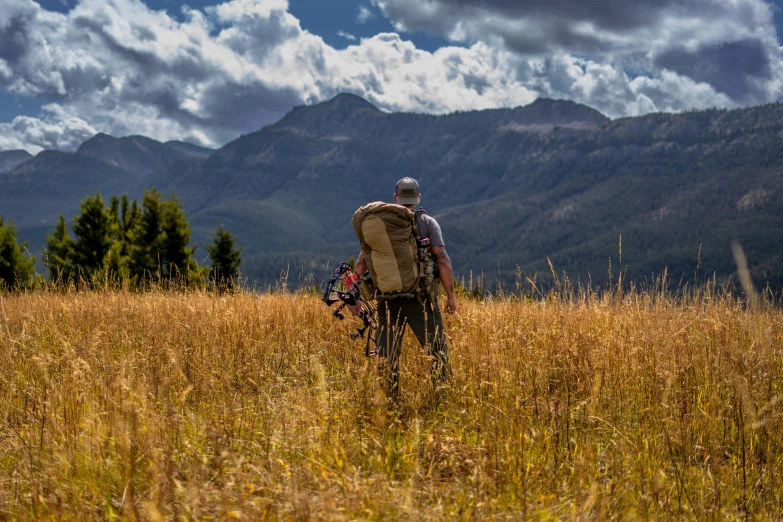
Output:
x,y
513,189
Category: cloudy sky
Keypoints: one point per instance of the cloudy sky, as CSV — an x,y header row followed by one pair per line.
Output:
x,y
208,70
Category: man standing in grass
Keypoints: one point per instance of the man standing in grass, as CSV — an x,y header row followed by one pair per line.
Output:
x,y
422,315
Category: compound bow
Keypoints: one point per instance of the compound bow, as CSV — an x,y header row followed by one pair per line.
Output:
x,y
345,286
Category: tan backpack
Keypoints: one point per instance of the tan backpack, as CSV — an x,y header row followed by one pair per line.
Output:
x,y
388,238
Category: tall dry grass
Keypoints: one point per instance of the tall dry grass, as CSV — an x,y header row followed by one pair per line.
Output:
x,y
165,405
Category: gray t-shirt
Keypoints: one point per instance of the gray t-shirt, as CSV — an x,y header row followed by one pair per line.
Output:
x,y
430,228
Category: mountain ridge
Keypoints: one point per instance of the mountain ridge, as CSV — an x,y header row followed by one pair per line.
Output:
x,y
552,180
139,155
10,159
346,118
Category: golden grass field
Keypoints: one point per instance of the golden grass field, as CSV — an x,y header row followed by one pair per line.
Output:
x,y
169,406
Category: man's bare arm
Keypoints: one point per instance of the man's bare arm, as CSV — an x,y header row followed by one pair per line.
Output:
x,y
446,276
361,265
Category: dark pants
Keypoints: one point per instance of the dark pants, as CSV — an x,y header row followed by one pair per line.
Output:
x,y
426,323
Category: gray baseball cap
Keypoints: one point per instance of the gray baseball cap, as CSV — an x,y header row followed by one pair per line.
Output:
x,y
407,192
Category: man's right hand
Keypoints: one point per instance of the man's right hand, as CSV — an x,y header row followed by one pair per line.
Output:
x,y
451,304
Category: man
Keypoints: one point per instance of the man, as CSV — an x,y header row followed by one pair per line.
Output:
x,y
424,318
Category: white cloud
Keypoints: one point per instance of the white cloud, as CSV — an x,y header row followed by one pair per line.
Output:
x,y
232,68
587,26
730,45
393,74
55,130
347,36
117,66
616,94
364,15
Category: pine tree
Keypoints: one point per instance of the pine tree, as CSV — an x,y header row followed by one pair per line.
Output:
x,y
225,258
58,253
114,212
145,236
16,268
130,217
93,229
116,259
177,257
117,263
124,216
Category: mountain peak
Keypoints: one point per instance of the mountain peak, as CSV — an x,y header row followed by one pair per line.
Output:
x,y
9,159
139,155
558,112
350,101
548,102
340,115
99,139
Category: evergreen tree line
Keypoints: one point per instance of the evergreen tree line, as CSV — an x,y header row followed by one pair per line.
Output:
x,y
121,241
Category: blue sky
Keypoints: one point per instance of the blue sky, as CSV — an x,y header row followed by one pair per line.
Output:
x,y
214,69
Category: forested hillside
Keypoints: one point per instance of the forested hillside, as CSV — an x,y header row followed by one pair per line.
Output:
x,y
511,188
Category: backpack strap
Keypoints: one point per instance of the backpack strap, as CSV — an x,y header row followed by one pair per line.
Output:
x,y
416,226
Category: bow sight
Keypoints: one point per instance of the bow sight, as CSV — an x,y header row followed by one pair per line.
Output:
x,y
345,287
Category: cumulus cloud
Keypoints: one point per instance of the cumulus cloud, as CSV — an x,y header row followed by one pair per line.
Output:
x,y
580,25
739,68
55,130
117,66
732,46
228,69
346,35
613,91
